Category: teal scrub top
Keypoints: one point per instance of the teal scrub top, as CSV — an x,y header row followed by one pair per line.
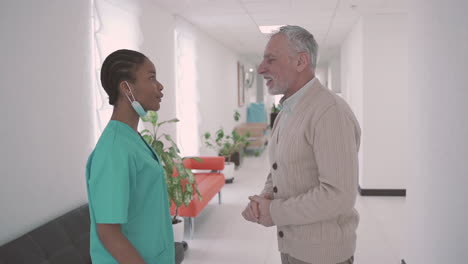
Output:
x,y
126,185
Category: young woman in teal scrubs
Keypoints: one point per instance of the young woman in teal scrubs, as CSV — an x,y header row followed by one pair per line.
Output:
x,y
128,201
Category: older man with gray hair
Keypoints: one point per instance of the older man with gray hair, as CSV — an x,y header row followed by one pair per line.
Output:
x,y
311,188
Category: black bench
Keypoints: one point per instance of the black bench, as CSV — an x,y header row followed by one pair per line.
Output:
x,y
64,240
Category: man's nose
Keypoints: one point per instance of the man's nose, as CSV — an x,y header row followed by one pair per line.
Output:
x,y
261,69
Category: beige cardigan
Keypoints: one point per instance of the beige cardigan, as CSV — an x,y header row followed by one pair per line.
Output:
x,y
314,177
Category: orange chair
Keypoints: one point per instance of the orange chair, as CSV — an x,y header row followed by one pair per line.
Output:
x,y
209,184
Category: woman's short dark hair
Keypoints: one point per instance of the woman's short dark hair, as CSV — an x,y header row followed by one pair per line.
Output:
x,y
120,65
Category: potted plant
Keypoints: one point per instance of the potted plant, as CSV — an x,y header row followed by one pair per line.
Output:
x,y
181,186
227,145
274,112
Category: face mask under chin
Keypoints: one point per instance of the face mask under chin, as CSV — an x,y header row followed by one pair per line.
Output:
x,y
135,104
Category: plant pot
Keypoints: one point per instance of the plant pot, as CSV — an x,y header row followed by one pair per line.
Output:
x,y
229,171
178,229
236,157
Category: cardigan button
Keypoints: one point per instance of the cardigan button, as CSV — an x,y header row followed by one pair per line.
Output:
x,y
281,234
275,189
275,166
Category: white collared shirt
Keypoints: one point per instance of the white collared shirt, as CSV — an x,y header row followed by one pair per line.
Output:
x,y
291,102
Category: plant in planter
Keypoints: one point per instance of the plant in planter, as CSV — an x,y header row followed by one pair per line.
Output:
x,y
274,112
227,145
180,188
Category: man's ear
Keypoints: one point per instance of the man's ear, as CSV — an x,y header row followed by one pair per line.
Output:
x,y
303,61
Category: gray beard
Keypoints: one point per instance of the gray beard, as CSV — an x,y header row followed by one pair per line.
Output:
x,y
277,90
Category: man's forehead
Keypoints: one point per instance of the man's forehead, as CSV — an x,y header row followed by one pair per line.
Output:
x,y
276,46
273,52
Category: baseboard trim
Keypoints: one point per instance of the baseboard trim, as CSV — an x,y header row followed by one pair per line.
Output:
x,y
381,192
403,261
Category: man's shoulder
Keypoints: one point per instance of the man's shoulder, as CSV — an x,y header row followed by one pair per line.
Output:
x,y
320,99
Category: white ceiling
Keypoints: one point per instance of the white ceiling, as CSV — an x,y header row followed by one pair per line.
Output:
x,y
235,22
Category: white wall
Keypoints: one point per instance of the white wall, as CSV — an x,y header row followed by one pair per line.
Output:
x,y
158,27
46,104
352,87
375,81
321,72
334,73
386,101
48,93
115,26
436,195
217,71
216,83
142,26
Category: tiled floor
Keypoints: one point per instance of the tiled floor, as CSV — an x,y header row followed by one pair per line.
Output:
x,y
223,236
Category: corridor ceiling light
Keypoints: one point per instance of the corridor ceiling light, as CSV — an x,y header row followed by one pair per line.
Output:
x,y
269,29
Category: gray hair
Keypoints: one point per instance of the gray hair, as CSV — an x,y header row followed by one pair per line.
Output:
x,y
301,40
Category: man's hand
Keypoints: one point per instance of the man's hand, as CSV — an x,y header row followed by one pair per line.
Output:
x,y
252,212
264,209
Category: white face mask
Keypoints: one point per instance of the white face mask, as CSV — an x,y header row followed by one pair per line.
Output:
x,y
135,104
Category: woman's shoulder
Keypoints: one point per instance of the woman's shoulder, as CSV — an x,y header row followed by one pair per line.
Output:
x,y
116,140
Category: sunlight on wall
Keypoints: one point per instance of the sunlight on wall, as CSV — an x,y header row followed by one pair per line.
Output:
x,y
187,98
115,27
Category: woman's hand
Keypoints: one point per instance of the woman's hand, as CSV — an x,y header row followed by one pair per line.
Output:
x,y
117,244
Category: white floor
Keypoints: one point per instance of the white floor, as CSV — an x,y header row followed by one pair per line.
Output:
x,y
223,236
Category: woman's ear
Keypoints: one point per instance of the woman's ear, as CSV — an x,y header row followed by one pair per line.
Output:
x,y
124,87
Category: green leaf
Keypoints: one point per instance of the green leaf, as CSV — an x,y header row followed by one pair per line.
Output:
x,y
173,153
174,120
190,176
235,136
148,139
200,197
169,170
169,182
236,116
169,138
189,188
145,131
188,198
167,159
181,169
178,198
197,159
151,117
158,146
175,181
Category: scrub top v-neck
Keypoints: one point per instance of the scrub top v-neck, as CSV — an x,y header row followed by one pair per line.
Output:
x,y
126,185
